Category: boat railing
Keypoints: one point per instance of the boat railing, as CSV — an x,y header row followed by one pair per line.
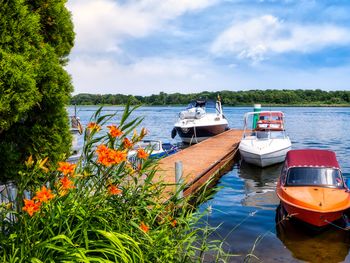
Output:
x,y
267,124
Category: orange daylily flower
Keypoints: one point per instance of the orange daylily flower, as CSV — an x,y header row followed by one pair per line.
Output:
x,y
173,223
31,207
114,190
66,168
141,153
120,156
44,195
114,131
144,227
66,183
127,143
93,126
108,157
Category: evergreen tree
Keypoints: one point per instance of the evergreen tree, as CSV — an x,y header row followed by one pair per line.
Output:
x,y
36,37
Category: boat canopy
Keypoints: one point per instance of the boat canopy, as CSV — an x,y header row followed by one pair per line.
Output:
x,y
311,158
274,115
264,121
201,103
210,106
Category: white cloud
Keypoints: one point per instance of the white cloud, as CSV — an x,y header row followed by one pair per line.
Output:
x,y
101,25
144,77
170,75
257,38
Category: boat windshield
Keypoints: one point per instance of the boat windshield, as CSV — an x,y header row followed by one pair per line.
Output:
x,y
152,145
314,176
267,134
209,106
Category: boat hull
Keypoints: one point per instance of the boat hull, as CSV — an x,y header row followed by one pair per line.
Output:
x,y
195,134
264,160
318,219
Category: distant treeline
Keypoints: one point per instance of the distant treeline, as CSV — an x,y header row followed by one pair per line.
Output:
x,y
230,98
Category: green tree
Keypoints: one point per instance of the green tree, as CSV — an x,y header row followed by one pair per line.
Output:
x,y
35,40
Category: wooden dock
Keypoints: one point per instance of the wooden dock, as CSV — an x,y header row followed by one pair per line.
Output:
x,y
200,162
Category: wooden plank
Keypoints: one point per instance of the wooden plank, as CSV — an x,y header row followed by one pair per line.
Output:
x,y
200,161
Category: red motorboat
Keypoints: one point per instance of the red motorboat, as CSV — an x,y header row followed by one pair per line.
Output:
x,y
311,187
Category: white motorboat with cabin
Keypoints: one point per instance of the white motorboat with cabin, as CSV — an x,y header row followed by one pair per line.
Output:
x,y
201,120
264,141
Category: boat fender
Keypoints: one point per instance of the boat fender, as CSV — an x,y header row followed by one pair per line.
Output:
x,y
187,115
173,133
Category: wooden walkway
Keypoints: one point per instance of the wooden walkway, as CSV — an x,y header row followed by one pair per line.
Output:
x,y
201,162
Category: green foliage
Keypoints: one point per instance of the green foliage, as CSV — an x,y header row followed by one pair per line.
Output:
x,y
35,38
56,24
230,98
88,222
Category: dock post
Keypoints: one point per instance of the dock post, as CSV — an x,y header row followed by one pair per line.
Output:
x,y
178,179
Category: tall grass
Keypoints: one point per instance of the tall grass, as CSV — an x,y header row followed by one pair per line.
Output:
x,y
103,209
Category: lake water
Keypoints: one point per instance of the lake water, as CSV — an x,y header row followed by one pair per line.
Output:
x,y
245,204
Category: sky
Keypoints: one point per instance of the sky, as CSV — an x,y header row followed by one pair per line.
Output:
x,y
144,47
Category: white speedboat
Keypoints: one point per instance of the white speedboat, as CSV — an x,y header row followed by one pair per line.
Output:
x,y
201,120
264,141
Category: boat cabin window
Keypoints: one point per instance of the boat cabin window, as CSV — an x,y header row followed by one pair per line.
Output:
x,y
270,118
314,176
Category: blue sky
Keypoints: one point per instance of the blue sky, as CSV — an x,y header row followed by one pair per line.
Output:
x,y
143,47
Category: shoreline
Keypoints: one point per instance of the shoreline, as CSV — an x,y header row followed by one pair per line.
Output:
x,y
225,105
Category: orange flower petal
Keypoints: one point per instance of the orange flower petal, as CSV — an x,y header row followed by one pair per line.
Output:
x,y
93,126
127,143
141,153
44,195
144,227
66,168
108,157
31,207
114,131
114,190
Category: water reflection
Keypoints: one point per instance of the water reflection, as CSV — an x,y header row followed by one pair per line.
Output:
x,y
328,245
260,185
